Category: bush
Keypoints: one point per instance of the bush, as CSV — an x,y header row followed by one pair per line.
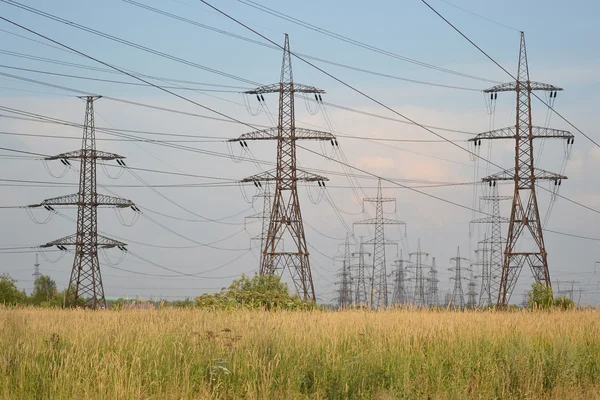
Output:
x,y
540,297
564,303
260,292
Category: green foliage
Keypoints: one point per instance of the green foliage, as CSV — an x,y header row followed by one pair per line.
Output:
x,y
9,294
564,303
44,291
540,297
258,292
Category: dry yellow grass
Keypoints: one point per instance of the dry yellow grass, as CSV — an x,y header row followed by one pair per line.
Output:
x,y
194,354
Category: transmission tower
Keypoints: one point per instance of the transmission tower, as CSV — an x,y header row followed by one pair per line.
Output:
x,y
36,274
492,259
472,292
379,289
458,297
285,224
524,215
361,293
483,261
432,285
399,295
420,293
85,284
345,299
265,215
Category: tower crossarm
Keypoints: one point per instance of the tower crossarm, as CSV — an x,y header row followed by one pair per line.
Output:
x,y
375,199
78,154
71,240
73,200
385,221
509,175
270,176
272,134
489,220
538,132
512,87
285,86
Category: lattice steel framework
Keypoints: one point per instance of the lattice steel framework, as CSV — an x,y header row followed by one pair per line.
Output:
x,y
361,294
85,285
432,285
525,213
285,224
458,297
345,298
472,292
399,294
379,288
491,250
264,216
420,293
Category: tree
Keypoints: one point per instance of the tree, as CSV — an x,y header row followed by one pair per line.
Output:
x,y
9,294
44,290
540,297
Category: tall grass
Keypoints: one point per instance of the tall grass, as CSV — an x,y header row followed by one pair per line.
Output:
x,y
396,354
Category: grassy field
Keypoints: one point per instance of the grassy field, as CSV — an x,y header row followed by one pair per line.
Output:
x,y
192,354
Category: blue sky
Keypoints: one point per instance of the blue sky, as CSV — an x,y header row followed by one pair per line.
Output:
x,y
561,40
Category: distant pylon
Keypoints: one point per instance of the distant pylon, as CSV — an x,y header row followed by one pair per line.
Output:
x,y
458,297
85,285
36,274
492,260
345,299
399,294
432,285
285,224
361,292
483,261
525,215
420,293
264,216
472,292
379,289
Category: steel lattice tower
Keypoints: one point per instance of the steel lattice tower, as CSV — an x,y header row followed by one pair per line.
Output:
x,y
265,216
492,260
379,288
472,292
432,285
36,274
85,284
399,295
483,260
345,298
420,294
285,224
458,297
525,216
361,293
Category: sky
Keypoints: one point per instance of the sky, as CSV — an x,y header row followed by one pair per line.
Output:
x,y
195,213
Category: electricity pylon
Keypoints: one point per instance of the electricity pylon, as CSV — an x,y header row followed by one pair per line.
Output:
x,y
36,273
483,261
420,294
472,292
492,247
361,293
285,224
379,289
399,295
345,298
432,285
525,216
85,285
265,216
458,297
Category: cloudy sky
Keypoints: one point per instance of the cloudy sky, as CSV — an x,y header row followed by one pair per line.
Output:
x,y
184,176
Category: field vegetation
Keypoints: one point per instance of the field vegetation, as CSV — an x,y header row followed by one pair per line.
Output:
x,y
200,353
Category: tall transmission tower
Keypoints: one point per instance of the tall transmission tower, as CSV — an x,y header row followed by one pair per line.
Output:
x,y
458,297
85,285
432,285
36,274
361,293
472,292
420,293
483,260
345,298
285,224
379,288
399,294
524,215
